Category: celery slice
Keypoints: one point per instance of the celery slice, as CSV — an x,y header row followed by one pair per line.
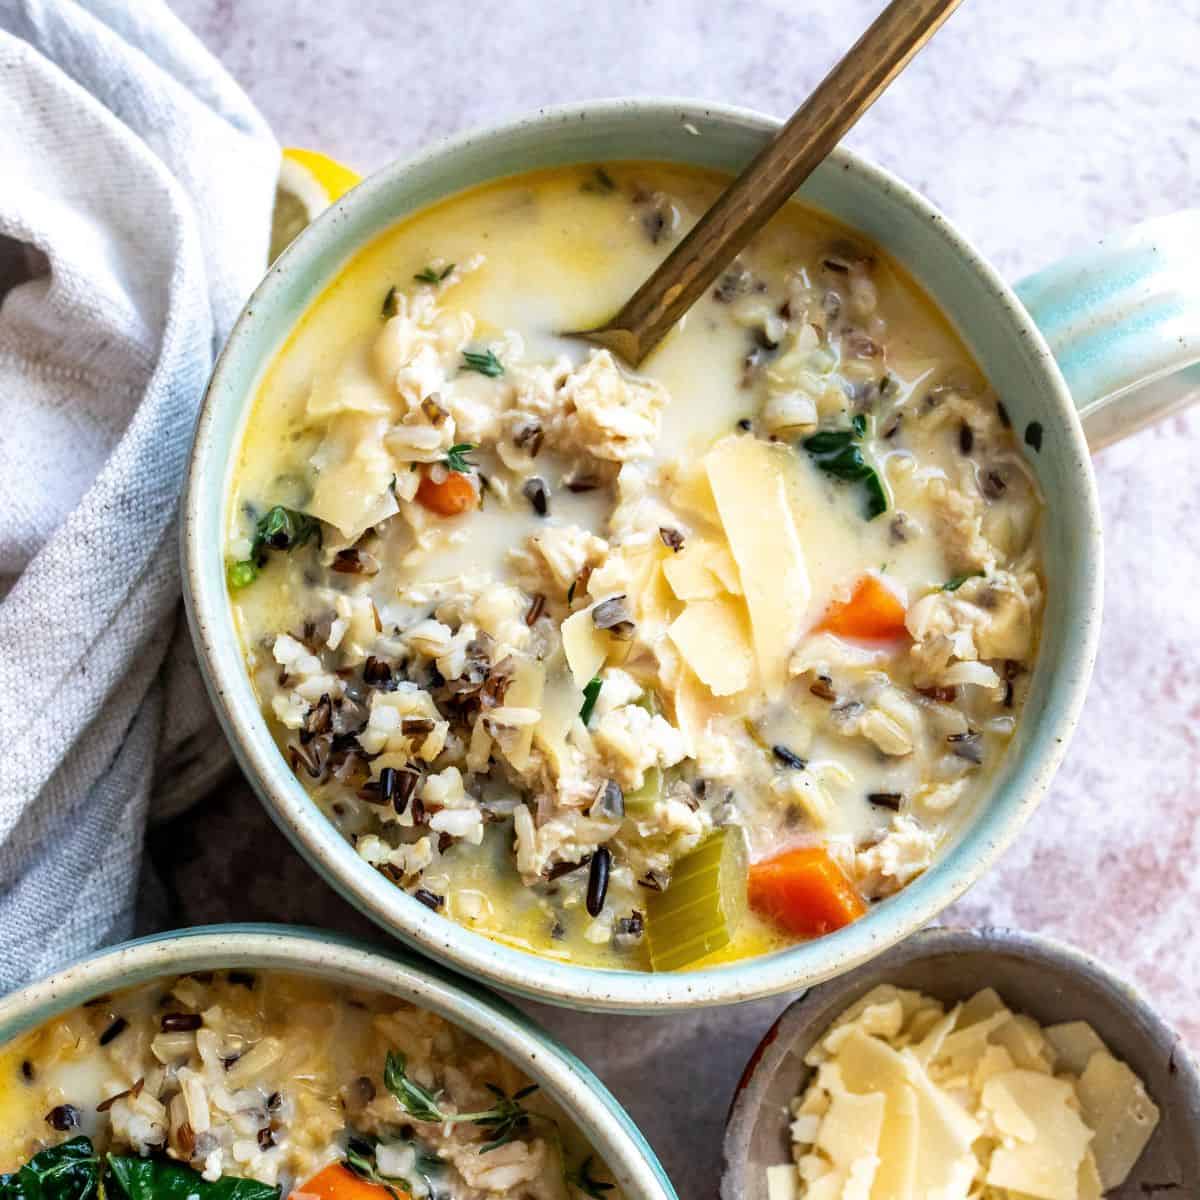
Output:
x,y
703,905
652,781
650,791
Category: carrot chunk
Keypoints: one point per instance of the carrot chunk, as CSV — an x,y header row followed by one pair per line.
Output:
x,y
455,494
873,612
805,892
337,1182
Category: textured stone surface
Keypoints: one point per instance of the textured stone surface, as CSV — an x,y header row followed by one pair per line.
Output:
x,y
1038,128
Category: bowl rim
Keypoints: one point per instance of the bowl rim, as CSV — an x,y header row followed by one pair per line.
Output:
x,y
608,1128
821,1005
522,972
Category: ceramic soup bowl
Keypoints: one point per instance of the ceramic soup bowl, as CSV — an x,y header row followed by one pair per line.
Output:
x,y
599,1118
1110,330
1035,975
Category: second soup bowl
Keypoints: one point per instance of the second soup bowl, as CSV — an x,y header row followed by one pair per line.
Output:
x,y
1114,321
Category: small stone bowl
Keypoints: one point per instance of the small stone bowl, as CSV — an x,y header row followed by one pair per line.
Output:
x,y
1046,979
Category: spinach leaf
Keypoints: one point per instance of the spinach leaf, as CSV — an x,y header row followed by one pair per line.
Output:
x,y
836,452
68,1171
280,529
591,693
162,1179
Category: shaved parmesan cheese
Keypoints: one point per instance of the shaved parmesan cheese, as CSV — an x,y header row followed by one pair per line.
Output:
x,y
353,474
1090,1187
721,564
689,574
560,709
747,480
1123,1116
1074,1043
1048,1139
585,646
783,1182
896,1177
693,495
713,639
964,1105
525,692
851,1128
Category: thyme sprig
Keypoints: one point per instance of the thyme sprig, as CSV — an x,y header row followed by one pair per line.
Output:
x,y
505,1120
456,458
433,275
955,582
360,1158
485,363
581,1177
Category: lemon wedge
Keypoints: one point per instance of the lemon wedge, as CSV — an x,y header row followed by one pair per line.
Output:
x,y
309,182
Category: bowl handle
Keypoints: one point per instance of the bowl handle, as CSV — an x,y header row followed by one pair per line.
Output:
x,y
1123,322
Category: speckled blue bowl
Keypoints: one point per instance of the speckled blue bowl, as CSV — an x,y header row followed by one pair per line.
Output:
x,y
1105,321
602,1121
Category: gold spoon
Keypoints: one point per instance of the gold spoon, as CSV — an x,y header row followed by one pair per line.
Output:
x,y
775,173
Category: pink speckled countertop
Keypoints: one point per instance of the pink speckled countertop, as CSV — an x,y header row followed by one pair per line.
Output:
x,y
1037,138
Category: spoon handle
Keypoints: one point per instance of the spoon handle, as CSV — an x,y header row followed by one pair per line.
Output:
x,y
773,176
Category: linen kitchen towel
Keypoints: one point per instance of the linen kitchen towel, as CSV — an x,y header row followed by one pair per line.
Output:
x,y
136,185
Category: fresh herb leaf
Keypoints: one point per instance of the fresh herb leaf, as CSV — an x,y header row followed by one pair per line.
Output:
x,y
68,1171
591,694
581,1177
432,274
279,529
486,363
391,302
835,452
505,1119
955,582
416,1100
360,1158
456,458
877,501
162,1179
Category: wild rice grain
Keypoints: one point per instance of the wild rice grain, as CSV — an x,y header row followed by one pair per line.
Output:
x,y
788,758
535,491
597,890
62,1118
114,1031
177,1022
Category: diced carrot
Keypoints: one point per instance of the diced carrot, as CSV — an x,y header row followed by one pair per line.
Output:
x,y
337,1182
805,892
453,495
873,612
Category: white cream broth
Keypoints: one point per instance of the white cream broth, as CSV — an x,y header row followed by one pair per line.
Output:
x,y
741,696
280,1078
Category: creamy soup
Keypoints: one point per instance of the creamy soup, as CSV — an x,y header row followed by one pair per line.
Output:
x,y
643,669
245,1085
